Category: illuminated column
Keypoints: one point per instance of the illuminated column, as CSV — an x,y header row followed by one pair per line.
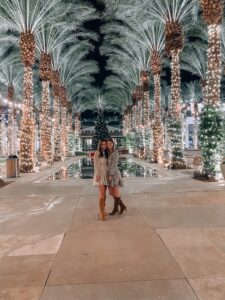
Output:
x,y
27,124
129,120
64,104
10,131
46,145
64,130
70,136
124,125
146,114
55,80
175,84
214,70
77,132
46,123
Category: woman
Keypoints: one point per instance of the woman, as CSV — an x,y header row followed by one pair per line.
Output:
x,y
115,180
101,175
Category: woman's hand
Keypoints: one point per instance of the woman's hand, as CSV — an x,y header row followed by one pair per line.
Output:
x,y
98,178
110,178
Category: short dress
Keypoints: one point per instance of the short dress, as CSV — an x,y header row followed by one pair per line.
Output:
x,y
100,169
114,171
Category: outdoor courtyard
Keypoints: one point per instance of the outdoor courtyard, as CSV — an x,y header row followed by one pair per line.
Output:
x,y
170,245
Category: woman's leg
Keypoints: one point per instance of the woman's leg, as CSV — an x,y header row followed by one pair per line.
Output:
x,y
102,194
118,202
115,191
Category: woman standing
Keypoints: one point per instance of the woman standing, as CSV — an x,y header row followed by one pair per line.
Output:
x,y
101,175
115,180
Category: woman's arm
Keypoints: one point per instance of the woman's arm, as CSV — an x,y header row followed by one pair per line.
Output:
x,y
96,164
113,163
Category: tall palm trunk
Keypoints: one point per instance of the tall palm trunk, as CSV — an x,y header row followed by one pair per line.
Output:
x,y
146,115
213,15
11,129
27,48
64,130
214,70
46,127
174,46
46,144
64,102
27,124
175,107
157,121
70,136
157,124
77,133
57,134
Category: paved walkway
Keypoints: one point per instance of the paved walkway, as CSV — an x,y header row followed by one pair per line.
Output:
x,y
169,246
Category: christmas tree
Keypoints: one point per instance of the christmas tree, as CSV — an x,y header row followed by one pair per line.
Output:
x,y
101,130
211,139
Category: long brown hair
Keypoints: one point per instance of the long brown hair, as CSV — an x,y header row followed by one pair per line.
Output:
x,y
114,146
101,153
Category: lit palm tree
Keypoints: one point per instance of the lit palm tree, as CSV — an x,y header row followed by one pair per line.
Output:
x,y
25,17
69,74
11,76
194,60
213,15
174,15
49,38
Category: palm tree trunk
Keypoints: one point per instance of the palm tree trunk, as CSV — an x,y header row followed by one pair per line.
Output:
x,y
176,136
77,133
57,135
157,127
146,122
175,85
46,145
70,135
214,65
2,134
64,130
27,124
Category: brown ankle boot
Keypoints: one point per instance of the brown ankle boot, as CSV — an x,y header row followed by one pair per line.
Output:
x,y
115,208
122,207
102,209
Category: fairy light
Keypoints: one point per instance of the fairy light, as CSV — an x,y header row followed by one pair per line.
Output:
x,y
64,104
146,132
10,132
71,136
64,130
55,80
157,123
46,145
214,70
77,132
27,124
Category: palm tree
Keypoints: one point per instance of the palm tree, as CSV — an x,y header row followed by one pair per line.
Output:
x,y
194,60
25,17
11,75
48,38
213,15
69,74
174,15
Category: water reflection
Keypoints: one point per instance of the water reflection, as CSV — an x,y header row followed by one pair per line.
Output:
x,y
84,169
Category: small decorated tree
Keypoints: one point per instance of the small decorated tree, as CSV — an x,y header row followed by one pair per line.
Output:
x,y
211,140
101,130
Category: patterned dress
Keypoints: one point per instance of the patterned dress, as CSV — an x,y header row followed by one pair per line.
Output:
x,y
114,171
100,169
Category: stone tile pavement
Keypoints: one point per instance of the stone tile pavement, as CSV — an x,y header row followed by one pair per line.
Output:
x,y
169,246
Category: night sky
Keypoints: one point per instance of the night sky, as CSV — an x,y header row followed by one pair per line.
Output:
x,y
95,55
102,60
